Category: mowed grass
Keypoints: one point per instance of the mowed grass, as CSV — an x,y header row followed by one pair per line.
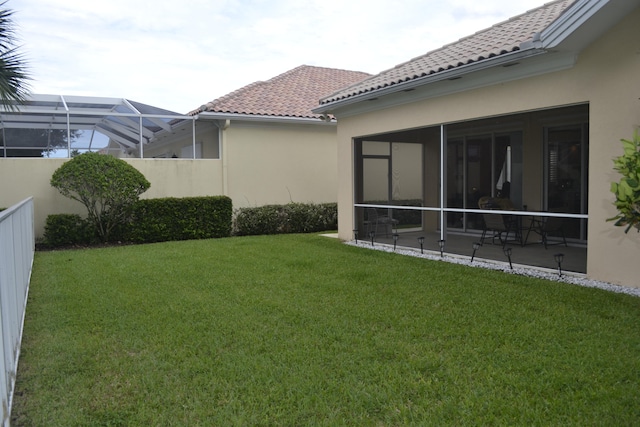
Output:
x,y
303,330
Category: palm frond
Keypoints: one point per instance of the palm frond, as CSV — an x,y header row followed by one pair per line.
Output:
x,y
7,33
14,76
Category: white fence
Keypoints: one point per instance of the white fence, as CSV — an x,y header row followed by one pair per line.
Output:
x,y
17,247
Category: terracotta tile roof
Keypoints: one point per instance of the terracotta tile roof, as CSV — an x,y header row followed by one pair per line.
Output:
x,y
500,39
291,94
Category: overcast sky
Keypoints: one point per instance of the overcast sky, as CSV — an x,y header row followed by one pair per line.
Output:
x,y
179,55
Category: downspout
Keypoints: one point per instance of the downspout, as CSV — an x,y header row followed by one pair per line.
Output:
x,y
141,140
193,138
223,155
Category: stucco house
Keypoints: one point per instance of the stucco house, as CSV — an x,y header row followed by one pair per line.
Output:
x,y
260,144
272,147
540,101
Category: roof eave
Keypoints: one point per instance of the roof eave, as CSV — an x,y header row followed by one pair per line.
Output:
x,y
211,115
583,22
452,74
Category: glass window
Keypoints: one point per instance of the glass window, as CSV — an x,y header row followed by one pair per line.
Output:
x,y
375,148
479,166
455,181
376,180
566,164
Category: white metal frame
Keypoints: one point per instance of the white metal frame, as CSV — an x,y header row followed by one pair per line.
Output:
x,y
128,124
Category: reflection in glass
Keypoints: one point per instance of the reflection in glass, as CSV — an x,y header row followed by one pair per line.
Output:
x,y
566,167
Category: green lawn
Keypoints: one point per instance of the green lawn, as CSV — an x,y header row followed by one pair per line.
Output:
x,y
303,330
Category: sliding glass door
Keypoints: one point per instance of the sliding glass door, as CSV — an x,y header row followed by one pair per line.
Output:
x,y
482,165
566,175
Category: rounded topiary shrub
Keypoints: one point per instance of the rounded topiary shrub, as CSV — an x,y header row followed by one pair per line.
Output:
x,y
108,187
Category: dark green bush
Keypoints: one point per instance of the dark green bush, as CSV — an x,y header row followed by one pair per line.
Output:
x,y
289,218
627,189
105,185
68,230
165,219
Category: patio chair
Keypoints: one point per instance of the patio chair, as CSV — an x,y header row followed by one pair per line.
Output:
x,y
499,224
495,224
375,220
544,226
552,225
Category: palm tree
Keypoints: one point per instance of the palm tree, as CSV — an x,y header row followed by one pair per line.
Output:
x,y
13,73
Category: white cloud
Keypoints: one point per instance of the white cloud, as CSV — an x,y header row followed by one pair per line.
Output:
x,y
179,56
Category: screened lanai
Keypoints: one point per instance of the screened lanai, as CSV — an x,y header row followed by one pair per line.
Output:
x,y
63,126
446,184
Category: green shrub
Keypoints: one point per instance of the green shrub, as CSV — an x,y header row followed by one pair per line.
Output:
x,y
165,219
289,218
627,190
105,185
67,230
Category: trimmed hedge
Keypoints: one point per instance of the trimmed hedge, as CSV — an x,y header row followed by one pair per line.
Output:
x,y
68,230
151,220
289,218
188,218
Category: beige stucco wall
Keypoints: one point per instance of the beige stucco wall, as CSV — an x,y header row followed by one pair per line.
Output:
x,y
262,163
180,177
22,178
605,76
279,163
